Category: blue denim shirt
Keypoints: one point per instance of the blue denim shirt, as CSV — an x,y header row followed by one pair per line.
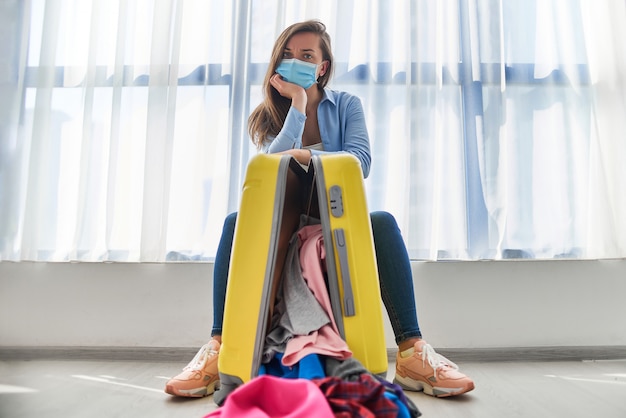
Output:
x,y
342,126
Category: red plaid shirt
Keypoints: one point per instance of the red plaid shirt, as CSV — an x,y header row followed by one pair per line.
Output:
x,y
362,398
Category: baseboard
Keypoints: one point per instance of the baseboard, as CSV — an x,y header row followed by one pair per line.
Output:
x,y
183,354
148,354
528,354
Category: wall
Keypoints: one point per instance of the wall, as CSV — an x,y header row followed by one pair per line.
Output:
x,y
460,304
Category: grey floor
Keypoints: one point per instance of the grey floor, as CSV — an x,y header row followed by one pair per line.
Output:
x,y
85,388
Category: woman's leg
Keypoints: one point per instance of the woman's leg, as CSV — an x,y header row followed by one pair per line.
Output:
x,y
396,277
418,366
220,273
200,377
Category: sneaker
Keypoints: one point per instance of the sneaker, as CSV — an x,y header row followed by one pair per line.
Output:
x,y
200,377
431,372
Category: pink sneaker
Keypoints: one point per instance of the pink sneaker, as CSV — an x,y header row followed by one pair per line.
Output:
x,y
200,377
431,372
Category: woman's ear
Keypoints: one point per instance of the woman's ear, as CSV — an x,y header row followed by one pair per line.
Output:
x,y
323,67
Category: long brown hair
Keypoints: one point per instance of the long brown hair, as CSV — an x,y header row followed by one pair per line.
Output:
x,y
268,118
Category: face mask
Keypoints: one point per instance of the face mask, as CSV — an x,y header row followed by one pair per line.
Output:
x,y
298,72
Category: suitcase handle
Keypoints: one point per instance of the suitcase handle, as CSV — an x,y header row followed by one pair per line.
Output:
x,y
348,295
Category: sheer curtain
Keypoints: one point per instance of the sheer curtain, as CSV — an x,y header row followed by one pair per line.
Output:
x,y
497,126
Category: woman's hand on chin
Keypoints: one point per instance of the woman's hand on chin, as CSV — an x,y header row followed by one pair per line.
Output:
x,y
291,91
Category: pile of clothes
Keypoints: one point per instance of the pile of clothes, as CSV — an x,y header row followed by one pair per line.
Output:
x,y
332,397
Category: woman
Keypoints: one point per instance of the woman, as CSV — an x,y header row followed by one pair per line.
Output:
x,y
301,117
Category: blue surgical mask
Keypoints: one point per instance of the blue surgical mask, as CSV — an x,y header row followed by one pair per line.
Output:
x,y
298,72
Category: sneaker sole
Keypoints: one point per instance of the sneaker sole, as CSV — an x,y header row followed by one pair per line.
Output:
x,y
438,392
193,393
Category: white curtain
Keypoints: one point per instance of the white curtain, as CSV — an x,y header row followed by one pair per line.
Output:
x,y
497,126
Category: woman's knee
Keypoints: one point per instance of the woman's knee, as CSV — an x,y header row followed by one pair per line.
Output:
x,y
383,220
229,221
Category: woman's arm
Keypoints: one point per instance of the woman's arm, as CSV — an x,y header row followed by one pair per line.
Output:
x,y
290,136
354,136
346,130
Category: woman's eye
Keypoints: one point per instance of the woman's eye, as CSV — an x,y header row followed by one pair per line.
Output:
x,y
308,56
286,54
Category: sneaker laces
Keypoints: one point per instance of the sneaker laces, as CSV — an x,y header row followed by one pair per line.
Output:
x,y
435,359
199,360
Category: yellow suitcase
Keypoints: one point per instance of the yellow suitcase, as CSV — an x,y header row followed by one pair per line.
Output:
x,y
275,192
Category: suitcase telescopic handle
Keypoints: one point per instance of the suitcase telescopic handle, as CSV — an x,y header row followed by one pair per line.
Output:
x,y
342,251
336,209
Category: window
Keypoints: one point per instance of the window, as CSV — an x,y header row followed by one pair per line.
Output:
x,y
494,125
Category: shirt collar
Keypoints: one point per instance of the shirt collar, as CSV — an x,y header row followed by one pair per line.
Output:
x,y
329,95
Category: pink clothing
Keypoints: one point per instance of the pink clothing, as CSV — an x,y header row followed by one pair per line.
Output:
x,y
264,396
325,341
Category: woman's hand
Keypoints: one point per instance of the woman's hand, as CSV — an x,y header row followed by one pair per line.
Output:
x,y
291,91
303,156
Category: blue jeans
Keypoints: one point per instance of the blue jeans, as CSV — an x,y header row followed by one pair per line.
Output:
x,y
394,271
